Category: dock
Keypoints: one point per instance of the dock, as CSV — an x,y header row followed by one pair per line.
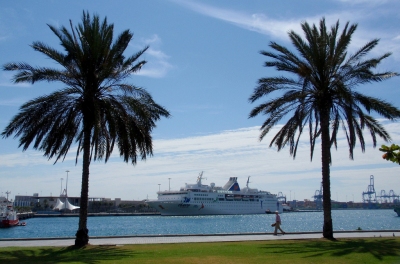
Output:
x,y
25,215
93,214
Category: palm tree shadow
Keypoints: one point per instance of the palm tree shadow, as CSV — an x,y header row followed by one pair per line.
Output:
x,y
338,248
88,254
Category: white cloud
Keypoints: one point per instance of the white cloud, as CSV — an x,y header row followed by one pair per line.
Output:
x,y
158,54
255,22
155,69
5,80
229,153
238,153
157,65
365,2
12,102
262,23
8,84
278,28
155,39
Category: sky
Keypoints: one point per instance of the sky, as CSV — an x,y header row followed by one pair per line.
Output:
x,y
203,65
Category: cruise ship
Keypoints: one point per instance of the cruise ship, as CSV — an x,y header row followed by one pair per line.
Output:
x,y
200,199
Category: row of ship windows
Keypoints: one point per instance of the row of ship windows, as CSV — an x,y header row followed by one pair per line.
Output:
x,y
222,199
220,195
229,204
212,199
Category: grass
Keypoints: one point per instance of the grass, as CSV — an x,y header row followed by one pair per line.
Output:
x,y
366,250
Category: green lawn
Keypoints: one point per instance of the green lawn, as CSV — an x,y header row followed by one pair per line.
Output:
x,y
371,250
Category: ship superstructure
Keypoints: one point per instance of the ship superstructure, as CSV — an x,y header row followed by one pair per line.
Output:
x,y
8,216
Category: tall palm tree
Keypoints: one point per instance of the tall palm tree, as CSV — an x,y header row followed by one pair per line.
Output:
x,y
322,96
97,108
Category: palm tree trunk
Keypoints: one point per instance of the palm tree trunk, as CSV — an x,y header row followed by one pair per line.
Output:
x,y
326,181
82,235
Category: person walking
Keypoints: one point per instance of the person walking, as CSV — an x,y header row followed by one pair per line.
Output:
x,y
278,224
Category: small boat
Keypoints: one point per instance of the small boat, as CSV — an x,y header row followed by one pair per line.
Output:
x,y
287,208
269,212
397,210
8,215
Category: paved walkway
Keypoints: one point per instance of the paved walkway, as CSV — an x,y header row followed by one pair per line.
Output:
x,y
125,240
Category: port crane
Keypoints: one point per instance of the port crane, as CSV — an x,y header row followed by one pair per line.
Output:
x,y
318,198
370,195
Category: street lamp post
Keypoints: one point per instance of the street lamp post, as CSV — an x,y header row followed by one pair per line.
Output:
x,y
159,187
169,184
66,184
66,191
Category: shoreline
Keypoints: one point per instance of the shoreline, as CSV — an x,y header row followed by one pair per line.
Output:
x,y
33,214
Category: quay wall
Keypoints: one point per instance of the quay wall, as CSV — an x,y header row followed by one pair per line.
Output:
x,y
95,214
25,215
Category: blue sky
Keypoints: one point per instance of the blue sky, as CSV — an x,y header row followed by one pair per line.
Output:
x,y
203,64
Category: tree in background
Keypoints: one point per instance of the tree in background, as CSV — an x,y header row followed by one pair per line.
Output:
x,y
392,153
321,96
97,109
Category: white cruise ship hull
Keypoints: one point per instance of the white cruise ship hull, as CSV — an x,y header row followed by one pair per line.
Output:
x,y
214,208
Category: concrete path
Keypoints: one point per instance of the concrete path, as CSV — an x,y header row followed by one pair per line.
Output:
x,y
125,240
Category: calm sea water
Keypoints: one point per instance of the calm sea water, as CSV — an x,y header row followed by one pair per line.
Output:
x,y
343,220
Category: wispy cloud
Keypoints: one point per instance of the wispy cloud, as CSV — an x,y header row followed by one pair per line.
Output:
x,y
12,102
9,84
278,28
11,24
222,155
255,22
5,81
364,2
158,62
262,22
239,153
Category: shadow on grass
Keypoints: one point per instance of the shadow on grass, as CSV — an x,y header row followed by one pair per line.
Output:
x,y
88,254
376,248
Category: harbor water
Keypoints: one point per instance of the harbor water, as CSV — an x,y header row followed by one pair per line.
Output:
x,y
343,220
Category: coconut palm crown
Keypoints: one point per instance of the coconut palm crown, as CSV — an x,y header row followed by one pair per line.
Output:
x,y
97,109
321,97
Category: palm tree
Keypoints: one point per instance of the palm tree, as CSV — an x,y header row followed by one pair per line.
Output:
x,y
97,108
322,96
